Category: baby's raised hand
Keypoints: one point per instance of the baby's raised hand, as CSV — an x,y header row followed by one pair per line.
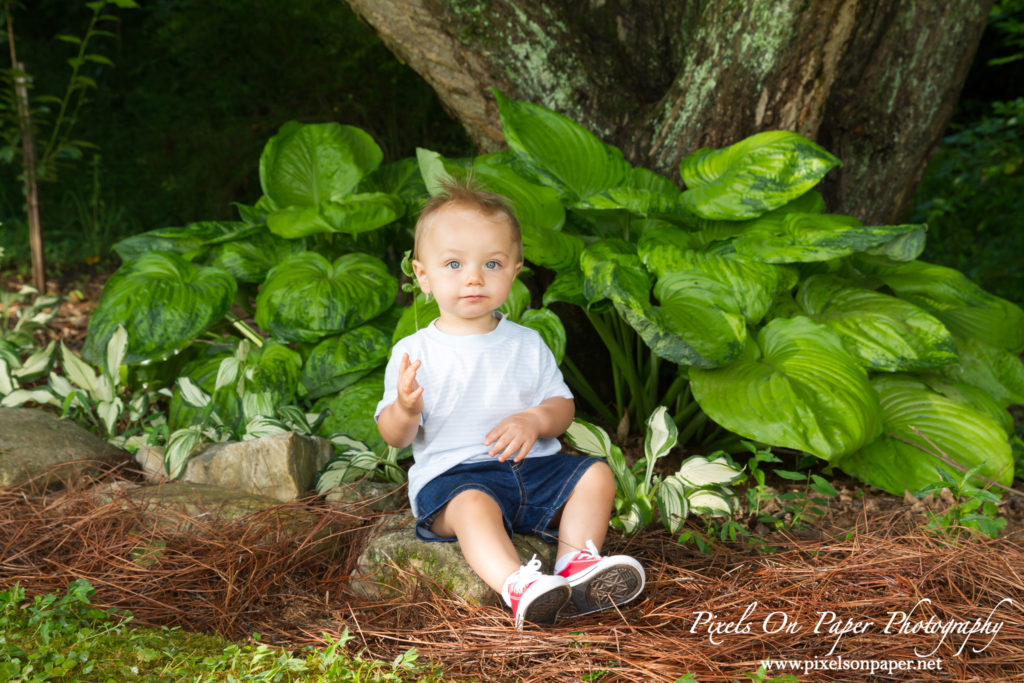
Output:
x,y
515,434
410,393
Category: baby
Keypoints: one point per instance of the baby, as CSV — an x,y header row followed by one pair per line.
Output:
x,y
482,402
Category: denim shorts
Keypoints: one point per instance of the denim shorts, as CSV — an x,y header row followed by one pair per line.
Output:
x,y
530,493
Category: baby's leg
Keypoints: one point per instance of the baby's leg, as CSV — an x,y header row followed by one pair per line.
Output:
x,y
586,513
475,519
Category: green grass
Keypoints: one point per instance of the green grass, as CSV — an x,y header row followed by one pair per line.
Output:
x,y
64,638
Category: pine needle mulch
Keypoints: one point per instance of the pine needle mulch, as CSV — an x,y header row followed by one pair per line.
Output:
x,y
879,592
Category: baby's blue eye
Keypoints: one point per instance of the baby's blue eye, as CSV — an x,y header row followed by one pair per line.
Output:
x,y
454,265
492,265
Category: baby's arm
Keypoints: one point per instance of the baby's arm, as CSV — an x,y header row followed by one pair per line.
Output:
x,y
399,421
518,432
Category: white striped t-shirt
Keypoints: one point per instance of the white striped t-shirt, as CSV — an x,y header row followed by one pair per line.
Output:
x,y
470,384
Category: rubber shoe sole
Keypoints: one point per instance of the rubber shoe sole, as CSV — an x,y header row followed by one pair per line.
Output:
x,y
544,608
614,584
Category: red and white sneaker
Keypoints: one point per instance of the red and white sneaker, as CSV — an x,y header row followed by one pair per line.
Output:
x,y
534,596
599,583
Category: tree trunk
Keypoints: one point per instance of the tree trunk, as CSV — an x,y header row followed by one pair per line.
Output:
x,y
874,81
28,148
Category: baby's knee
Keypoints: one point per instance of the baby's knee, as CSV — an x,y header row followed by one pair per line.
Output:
x,y
599,477
471,501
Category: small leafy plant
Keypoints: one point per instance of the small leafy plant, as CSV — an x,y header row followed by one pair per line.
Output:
x,y
971,507
700,484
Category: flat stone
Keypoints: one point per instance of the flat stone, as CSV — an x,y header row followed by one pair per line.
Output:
x,y
280,466
397,564
365,494
38,447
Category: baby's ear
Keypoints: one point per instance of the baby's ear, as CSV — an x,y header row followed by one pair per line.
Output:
x,y
421,276
519,266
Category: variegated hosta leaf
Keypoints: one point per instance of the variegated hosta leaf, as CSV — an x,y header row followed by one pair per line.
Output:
x,y
262,425
337,362
673,504
966,309
629,521
589,438
306,297
999,373
256,404
162,301
796,386
642,193
192,393
811,237
36,365
960,432
567,288
306,164
546,323
78,371
662,434
344,443
7,384
697,471
711,502
881,332
753,176
20,397
117,347
612,270
108,412
565,153
180,447
227,372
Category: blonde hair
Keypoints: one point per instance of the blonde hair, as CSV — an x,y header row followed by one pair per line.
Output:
x,y
468,193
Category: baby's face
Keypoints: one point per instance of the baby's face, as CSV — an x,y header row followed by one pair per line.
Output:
x,y
468,262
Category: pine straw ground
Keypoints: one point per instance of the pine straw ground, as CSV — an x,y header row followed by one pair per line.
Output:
x,y
283,572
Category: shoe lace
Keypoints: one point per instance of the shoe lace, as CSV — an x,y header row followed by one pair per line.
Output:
x,y
527,573
592,549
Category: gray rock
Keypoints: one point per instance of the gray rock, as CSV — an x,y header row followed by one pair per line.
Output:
x,y
180,506
281,466
38,446
369,495
397,564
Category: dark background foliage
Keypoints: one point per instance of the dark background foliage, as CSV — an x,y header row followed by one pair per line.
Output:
x,y
200,85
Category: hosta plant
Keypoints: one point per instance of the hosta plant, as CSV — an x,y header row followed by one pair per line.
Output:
x,y
700,484
753,313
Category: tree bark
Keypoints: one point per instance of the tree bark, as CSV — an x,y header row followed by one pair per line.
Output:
x,y
874,81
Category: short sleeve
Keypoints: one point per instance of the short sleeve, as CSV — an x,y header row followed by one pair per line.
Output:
x,y
551,383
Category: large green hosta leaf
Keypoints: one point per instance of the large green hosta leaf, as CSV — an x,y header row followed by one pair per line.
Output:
x,y
968,436
250,259
351,215
416,317
276,372
163,302
306,297
810,237
643,193
996,371
881,332
351,411
189,241
562,151
753,176
749,286
536,207
339,361
698,321
550,328
306,164
796,386
966,309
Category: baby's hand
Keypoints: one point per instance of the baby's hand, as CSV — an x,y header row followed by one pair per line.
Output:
x,y
410,393
515,433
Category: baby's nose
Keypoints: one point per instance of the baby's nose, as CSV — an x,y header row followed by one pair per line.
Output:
x,y
474,275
